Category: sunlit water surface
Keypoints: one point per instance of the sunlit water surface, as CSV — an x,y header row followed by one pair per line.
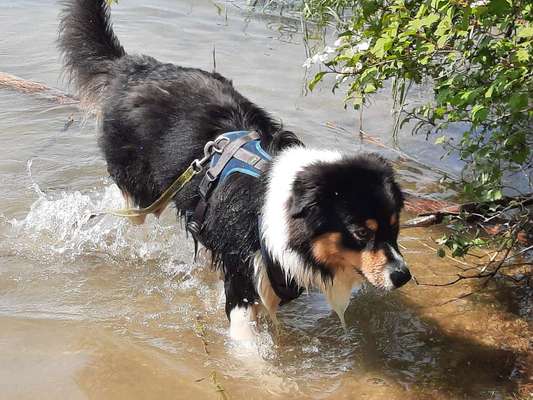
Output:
x,y
97,308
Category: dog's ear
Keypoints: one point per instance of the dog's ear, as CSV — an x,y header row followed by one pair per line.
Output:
x,y
305,196
398,195
393,191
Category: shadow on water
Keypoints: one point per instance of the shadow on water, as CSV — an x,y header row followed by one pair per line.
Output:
x,y
391,341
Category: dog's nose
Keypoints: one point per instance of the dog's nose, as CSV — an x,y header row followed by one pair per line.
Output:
x,y
400,276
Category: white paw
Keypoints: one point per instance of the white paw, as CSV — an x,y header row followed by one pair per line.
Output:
x,y
242,324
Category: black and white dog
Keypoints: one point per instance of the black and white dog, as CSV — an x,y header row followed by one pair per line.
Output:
x,y
314,218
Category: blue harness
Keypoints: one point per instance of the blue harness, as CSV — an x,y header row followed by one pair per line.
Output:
x,y
234,165
241,152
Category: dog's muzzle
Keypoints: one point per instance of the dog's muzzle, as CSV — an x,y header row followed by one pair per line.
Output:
x,y
400,275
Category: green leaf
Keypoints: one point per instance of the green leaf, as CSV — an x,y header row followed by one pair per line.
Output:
x,y
418,23
468,95
494,194
441,252
424,60
525,32
318,77
499,7
441,140
521,155
439,112
442,41
427,47
382,45
421,11
430,19
479,113
518,101
522,55
370,88
368,73
518,139
489,92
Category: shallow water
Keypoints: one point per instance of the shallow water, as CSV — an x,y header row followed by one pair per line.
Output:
x,y
100,309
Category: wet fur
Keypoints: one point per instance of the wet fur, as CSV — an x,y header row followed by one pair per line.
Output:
x,y
156,118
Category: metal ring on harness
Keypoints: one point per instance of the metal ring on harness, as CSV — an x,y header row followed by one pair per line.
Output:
x,y
217,148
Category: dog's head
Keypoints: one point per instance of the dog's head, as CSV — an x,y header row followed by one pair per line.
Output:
x,y
344,220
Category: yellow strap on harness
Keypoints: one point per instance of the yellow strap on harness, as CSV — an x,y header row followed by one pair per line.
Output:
x,y
162,201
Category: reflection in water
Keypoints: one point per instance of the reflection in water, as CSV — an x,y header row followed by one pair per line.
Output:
x,y
110,311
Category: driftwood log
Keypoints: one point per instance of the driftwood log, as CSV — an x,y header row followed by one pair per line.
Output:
x,y
432,212
428,211
12,82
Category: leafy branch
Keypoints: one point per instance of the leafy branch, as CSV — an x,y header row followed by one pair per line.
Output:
x,y
478,58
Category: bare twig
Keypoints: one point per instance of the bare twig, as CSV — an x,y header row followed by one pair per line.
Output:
x,y
461,297
201,332
505,247
219,388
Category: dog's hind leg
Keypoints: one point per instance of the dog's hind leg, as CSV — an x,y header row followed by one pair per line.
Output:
x,y
269,299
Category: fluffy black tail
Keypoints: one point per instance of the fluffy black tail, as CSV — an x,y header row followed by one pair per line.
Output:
x,y
88,45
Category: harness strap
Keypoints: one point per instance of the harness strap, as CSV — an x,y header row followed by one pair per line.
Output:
x,y
251,159
256,161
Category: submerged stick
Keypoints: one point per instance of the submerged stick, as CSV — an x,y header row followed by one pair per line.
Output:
x,y
218,387
8,81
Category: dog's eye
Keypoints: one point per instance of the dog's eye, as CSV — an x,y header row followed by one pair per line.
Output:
x,y
363,234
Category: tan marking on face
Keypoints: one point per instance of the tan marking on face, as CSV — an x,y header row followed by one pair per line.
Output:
x,y
393,219
328,249
373,264
372,224
345,265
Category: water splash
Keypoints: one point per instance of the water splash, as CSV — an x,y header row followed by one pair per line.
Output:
x,y
63,227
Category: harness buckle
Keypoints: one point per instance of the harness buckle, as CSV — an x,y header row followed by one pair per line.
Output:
x,y
209,175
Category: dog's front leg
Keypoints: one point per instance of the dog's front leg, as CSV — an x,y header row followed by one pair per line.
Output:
x,y
241,306
243,323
